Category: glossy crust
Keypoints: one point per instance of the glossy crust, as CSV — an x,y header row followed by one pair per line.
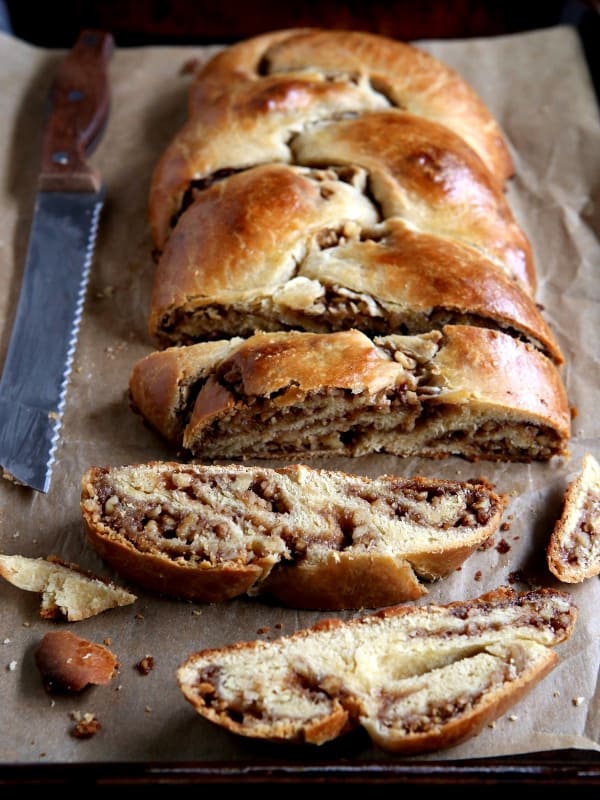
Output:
x,y
350,188
573,551
308,538
466,379
246,101
417,678
309,253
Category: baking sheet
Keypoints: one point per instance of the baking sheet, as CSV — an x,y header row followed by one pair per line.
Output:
x,y
538,86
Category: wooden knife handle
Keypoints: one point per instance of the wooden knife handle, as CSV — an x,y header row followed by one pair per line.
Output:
x,y
78,106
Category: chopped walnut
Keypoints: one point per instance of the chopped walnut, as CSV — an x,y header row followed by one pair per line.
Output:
x,y
145,665
86,726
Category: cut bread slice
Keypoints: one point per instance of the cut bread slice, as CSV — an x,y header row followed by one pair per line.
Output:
x,y
573,551
464,391
416,678
309,538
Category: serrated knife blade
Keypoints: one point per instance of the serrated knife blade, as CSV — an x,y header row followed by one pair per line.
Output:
x,y
61,243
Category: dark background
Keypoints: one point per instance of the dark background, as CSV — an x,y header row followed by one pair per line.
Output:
x,y
189,22
56,24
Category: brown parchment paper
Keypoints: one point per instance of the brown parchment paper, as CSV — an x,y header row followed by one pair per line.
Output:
x,y
538,86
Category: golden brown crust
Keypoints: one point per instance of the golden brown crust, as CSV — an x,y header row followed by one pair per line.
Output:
x,y
573,550
493,370
247,100
342,183
309,538
409,77
159,383
284,267
342,581
416,678
465,376
423,172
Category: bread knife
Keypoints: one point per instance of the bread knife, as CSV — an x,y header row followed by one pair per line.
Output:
x,y
60,249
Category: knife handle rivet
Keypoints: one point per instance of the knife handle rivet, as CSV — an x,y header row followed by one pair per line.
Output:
x,y
60,157
75,95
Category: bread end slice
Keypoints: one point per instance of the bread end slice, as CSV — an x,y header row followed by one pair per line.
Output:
x,y
573,552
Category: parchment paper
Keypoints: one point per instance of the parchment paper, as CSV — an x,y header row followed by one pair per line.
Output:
x,y
538,86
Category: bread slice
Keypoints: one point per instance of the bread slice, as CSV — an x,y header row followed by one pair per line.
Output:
x,y
465,391
416,678
308,538
67,591
573,552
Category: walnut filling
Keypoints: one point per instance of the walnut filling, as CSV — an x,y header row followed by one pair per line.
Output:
x,y
583,544
247,516
334,420
333,309
393,422
498,441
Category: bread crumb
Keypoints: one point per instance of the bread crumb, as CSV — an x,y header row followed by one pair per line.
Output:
x,y
6,641
263,630
513,717
148,710
87,725
145,665
477,575
196,612
577,701
492,724
503,546
12,666
556,693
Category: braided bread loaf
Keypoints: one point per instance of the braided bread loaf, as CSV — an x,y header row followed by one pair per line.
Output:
x,y
416,678
337,181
